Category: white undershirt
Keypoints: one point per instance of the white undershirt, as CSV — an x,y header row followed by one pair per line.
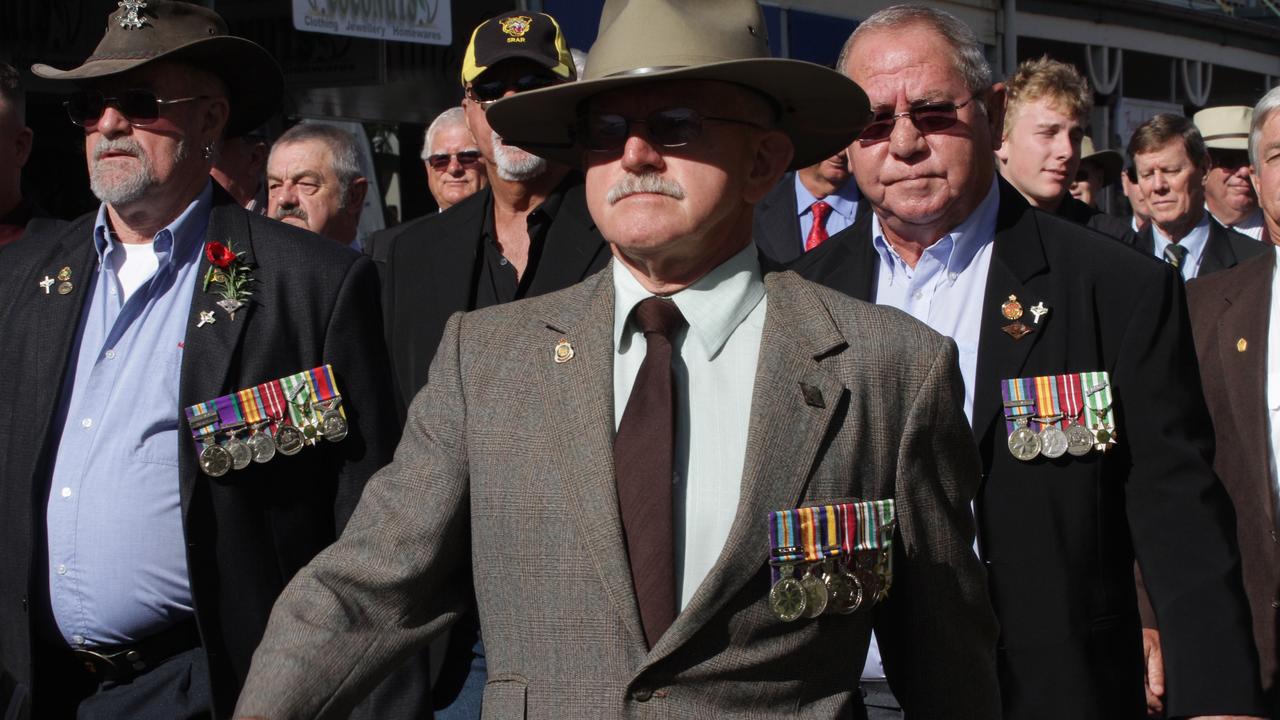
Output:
x,y
137,267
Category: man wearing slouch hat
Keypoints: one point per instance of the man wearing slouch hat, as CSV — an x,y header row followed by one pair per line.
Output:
x,y
623,470
141,563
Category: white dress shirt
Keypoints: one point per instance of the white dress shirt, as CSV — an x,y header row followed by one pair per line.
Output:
x,y
1252,225
714,363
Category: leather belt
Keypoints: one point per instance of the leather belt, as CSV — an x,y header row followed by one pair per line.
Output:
x,y
120,663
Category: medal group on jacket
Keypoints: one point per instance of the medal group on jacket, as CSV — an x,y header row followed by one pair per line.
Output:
x,y
1055,415
283,415
830,558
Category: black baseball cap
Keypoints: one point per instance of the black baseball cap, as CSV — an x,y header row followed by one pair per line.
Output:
x,y
525,35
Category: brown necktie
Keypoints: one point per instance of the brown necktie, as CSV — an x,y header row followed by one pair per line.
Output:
x,y
642,460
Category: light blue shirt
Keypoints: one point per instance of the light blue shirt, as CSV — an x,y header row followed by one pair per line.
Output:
x,y
843,202
1195,243
117,552
714,364
946,288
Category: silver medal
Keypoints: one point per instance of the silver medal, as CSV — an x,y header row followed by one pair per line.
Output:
x,y
215,461
1053,442
1079,440
1024,443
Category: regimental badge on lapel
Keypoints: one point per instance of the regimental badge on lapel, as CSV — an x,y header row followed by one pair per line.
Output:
x,y
830,558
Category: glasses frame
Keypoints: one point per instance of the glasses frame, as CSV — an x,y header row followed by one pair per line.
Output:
x,y
583,125
892,120
519,85
476,159
115,101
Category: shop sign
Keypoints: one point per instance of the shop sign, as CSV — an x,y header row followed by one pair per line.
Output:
x,y
420,21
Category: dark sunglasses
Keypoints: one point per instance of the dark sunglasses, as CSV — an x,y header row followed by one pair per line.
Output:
x,y
928,118
1082,175
491,91
673,127
466,158
140,107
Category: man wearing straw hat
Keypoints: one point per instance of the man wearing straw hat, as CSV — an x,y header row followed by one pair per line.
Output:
x,y
630,533
1099,169
134,584
1228,194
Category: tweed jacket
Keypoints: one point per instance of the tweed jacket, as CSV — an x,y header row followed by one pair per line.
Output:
x,y
1232,323
505,475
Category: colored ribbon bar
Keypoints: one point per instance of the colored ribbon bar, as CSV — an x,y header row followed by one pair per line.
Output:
x,y
295,399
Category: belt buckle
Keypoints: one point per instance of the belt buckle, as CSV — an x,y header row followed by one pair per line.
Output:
x,y
116,666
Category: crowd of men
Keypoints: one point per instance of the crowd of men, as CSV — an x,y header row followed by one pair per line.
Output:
x,y
719,386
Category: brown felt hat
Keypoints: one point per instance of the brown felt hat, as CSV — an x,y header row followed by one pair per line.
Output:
x,y
644,41
146,31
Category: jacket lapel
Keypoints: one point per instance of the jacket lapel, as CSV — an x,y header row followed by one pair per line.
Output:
x,y
59,315
209,351
1246,315
783,441
579,413
1146,241
1218,254
1017,256
846,262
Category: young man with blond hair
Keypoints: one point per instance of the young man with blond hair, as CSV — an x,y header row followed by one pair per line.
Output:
x,y
1046,111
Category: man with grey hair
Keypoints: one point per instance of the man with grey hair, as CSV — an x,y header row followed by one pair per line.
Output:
x,y
15,148
455,168
314,181
1235,315
1055,323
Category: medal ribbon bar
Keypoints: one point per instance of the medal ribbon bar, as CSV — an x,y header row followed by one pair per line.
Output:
x,y
268,402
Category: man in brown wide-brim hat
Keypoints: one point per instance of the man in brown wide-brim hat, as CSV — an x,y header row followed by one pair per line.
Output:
x,y
671,501
141,562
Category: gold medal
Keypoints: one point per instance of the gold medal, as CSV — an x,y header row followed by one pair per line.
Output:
x,y
1011,309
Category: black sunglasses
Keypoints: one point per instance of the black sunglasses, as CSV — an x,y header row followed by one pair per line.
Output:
x,y
466,158
672,127
140,107
491,91
928,118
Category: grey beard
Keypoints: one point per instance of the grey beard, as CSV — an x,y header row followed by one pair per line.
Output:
x,y
514,164
135,186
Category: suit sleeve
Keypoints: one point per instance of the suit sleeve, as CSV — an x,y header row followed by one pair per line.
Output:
x,y
937,631
1180,517
390,583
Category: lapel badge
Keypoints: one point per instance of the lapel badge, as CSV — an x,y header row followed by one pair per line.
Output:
x,y
130,19
812,396
1016,330
1011,309
64,281
564,351
64,274
1038,311
206,318
46,283
1242,345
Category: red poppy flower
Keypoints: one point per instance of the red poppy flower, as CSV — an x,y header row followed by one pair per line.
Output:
x,y
219,254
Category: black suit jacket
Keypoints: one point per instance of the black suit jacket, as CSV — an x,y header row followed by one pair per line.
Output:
x,y
776,226
1226,247
247,533
432,264
1094,219
1056,534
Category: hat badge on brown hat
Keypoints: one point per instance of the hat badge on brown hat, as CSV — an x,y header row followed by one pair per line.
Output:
x,y
644,41
140,32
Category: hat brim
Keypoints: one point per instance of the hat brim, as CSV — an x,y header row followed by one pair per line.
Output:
x,y
821,110
254,80
1231,142
1112,164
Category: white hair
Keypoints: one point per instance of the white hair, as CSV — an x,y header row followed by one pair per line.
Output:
x,y
452,116
1267,105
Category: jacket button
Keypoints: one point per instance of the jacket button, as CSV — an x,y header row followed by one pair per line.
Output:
x,y
1275,604
24,603
641,694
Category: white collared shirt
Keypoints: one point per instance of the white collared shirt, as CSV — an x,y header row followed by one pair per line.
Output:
x,y
1195,242
714,363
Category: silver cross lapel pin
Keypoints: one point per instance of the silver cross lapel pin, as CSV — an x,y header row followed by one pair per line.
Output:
x,y
46,283
206,318
1038,311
